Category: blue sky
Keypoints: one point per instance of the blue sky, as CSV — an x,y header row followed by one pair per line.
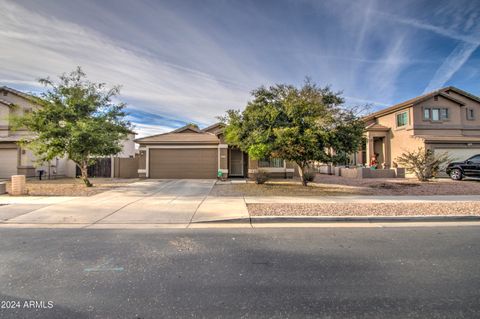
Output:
x,y
189,61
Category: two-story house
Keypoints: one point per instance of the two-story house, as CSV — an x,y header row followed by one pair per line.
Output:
x,y
17,160
446,120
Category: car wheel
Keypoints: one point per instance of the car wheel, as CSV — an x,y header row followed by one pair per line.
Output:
x,y
456,174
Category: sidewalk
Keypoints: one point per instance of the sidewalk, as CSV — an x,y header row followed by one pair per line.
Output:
x,y
5,199
359,199
134,209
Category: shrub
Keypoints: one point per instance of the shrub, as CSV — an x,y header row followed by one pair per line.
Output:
x,y
309,176
423,163
261,177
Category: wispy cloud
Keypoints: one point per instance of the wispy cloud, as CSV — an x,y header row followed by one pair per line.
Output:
x,y
469,42
189,61
451,65
35,46
450,33
143,130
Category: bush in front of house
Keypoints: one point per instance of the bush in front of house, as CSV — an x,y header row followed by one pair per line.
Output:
x,y
309,176
261,177
424,163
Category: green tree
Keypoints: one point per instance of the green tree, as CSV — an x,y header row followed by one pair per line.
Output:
x,y
296,124
75,118
346,135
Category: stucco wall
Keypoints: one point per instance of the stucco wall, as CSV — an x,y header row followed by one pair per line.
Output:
x,y
128,147
401,138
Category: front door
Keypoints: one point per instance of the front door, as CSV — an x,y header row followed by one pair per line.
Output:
x,y
236,162
378,151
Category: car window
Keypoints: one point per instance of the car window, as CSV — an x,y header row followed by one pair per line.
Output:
x,y
475,159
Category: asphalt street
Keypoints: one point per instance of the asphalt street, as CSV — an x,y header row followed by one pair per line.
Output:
x,y
423,272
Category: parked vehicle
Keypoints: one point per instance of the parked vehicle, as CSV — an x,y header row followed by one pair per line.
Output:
x,y
468,168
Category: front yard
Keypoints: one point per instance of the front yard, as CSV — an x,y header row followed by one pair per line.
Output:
x,y
280,188
340,186
364,209
72,186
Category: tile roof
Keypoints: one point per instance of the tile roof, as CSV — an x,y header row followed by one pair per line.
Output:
x,y
19,93
180,138
376,127
442,92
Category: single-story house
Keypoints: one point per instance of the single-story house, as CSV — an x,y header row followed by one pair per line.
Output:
x,y
192,153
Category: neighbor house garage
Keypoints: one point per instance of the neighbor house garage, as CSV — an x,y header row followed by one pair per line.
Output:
x,y
8,165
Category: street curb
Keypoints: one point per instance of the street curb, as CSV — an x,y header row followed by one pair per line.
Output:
x,y
345,219
361,219
226,221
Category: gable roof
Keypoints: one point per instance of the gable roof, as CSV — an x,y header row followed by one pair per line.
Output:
x,y
441,92
188,134
214,128
26,96
180,138
190,128
377,127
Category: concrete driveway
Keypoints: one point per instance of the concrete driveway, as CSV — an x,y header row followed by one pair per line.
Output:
x,y
178,202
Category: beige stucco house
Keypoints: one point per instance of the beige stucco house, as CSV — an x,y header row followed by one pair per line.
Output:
x,y
16,160
190,152
446,120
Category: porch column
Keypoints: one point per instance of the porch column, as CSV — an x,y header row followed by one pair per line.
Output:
x,y
370,150
223,159
386,151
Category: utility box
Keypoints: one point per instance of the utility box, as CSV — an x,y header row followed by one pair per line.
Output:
x,y
3,188
19,186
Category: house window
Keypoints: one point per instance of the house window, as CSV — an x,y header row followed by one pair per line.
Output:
x,y
426,114
402,119
435,114
270,162
444,114
470,114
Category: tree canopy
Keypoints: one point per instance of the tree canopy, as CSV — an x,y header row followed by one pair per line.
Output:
x,y
76,118
296,124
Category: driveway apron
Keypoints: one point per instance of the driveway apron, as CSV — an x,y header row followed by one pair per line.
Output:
x,y
151,201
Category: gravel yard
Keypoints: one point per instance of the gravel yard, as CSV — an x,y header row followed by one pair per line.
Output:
x,y
72,186
335,185
280,188
401,186
360,209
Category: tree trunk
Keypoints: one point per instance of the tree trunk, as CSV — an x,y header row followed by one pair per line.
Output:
x,y
84,171
301,172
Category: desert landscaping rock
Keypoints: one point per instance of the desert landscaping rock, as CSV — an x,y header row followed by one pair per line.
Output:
x,y
329,185
357,209
401,186
72,186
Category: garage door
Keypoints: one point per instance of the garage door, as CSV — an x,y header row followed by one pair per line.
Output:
x,y
459,154
8,162
183,163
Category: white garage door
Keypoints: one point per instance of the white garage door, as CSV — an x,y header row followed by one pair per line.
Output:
x,y
459,154
8,162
